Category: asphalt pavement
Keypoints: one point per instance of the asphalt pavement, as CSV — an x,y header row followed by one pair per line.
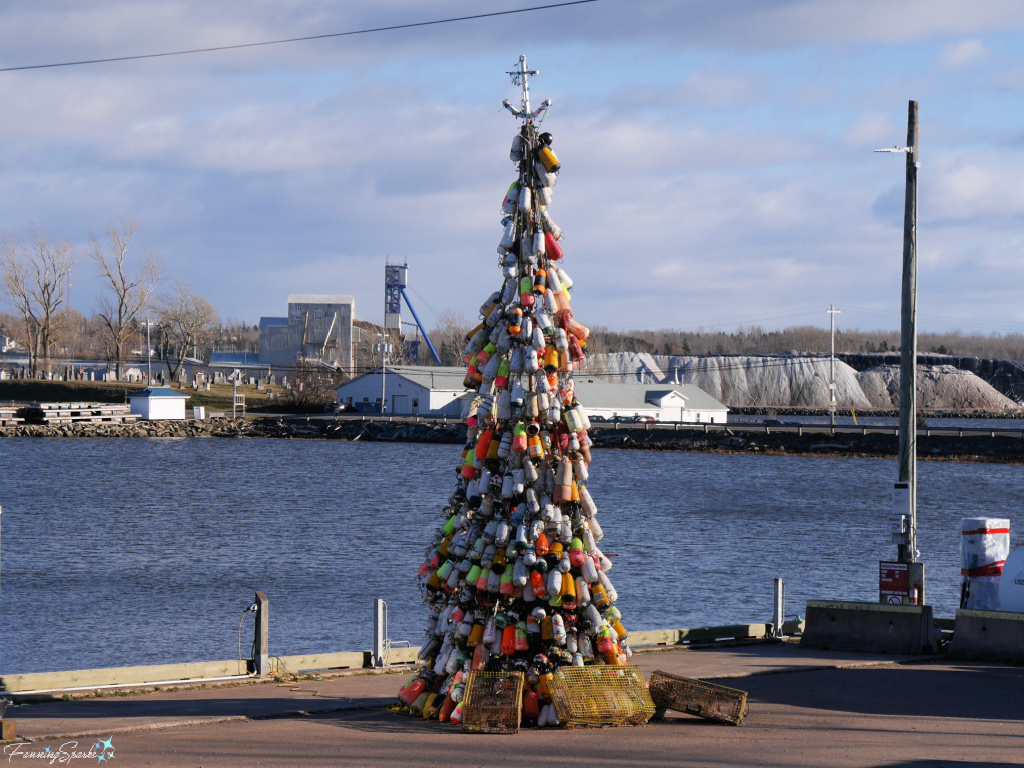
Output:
x,y
806,708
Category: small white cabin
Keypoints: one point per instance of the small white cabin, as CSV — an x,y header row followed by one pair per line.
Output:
x,y
158,403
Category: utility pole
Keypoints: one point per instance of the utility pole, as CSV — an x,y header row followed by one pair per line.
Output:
x,y
905,489
383,369
832,312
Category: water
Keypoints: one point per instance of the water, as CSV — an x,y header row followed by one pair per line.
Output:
x,y
135,551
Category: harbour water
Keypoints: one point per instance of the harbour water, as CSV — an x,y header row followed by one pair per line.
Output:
x,y
135,551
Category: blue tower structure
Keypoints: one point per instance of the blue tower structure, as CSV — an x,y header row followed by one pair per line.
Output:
x,y
396,280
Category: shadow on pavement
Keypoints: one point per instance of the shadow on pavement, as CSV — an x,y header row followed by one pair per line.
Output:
x,y
915,690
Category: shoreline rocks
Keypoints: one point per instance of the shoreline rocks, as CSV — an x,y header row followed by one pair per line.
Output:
x,y
975,448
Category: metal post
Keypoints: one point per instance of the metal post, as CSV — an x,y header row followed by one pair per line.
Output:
x,y
379,633
832,312
149,354
779,615
260,654
234,397
908,341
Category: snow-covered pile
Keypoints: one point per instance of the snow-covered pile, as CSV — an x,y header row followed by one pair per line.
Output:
x,y
938,386
798,381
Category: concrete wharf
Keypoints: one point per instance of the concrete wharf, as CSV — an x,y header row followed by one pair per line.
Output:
x,y
806,708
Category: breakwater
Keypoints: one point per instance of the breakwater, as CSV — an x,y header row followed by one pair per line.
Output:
x,y
789,439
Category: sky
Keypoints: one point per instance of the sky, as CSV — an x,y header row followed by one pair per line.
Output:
x,y
717,164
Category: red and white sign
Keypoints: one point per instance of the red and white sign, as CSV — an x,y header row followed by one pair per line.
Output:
x,y
893,583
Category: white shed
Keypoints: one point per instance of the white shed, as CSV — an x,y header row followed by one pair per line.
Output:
x,y
156,403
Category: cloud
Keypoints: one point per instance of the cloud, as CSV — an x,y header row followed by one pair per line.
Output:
x,y
963,54
979,188
872,129
713,155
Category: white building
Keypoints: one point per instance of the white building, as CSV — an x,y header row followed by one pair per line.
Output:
x,y
158,403
685,403
409,390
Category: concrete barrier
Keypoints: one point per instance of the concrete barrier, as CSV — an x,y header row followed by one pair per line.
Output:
x,y
988,636
198,671
870,627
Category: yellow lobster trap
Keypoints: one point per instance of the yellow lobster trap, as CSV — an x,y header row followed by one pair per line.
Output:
x,y
601,695
493,702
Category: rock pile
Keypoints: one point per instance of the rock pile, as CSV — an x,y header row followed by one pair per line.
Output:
x,y
794,381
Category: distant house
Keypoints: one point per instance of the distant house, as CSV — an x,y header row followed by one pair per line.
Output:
x,y
663,402
158,403
409,390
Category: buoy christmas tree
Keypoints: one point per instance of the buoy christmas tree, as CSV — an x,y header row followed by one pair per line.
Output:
x,y
514,579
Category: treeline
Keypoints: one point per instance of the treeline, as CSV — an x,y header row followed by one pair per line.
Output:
x,y
35,282
800,340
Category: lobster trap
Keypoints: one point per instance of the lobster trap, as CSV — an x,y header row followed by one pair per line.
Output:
x,y
697,697
601,695
493,702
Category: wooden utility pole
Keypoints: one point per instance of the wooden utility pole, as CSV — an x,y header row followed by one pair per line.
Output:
x,y
908,341
903,522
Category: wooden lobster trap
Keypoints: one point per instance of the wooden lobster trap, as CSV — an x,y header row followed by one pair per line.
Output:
x,y
697,697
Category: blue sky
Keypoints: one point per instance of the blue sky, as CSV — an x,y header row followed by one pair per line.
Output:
x,y
717,164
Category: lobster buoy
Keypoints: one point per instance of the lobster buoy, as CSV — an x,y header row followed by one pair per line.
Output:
x,y
508,205
548,159
516,152
551,246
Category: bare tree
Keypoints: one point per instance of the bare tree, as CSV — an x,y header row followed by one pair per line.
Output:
x,y
36,282
449,337
313,389
371,347
186,321
127,293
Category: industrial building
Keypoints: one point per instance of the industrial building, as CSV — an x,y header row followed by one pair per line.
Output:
x,y
318,329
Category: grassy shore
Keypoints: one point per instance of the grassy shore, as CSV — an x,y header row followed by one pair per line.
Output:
x,y
219,398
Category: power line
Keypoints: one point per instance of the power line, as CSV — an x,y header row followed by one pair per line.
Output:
x,y
390,28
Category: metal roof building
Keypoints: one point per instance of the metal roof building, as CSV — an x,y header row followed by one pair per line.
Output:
x,y
408,390
674,402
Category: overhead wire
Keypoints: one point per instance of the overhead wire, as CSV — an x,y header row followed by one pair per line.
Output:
x,y
305,38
